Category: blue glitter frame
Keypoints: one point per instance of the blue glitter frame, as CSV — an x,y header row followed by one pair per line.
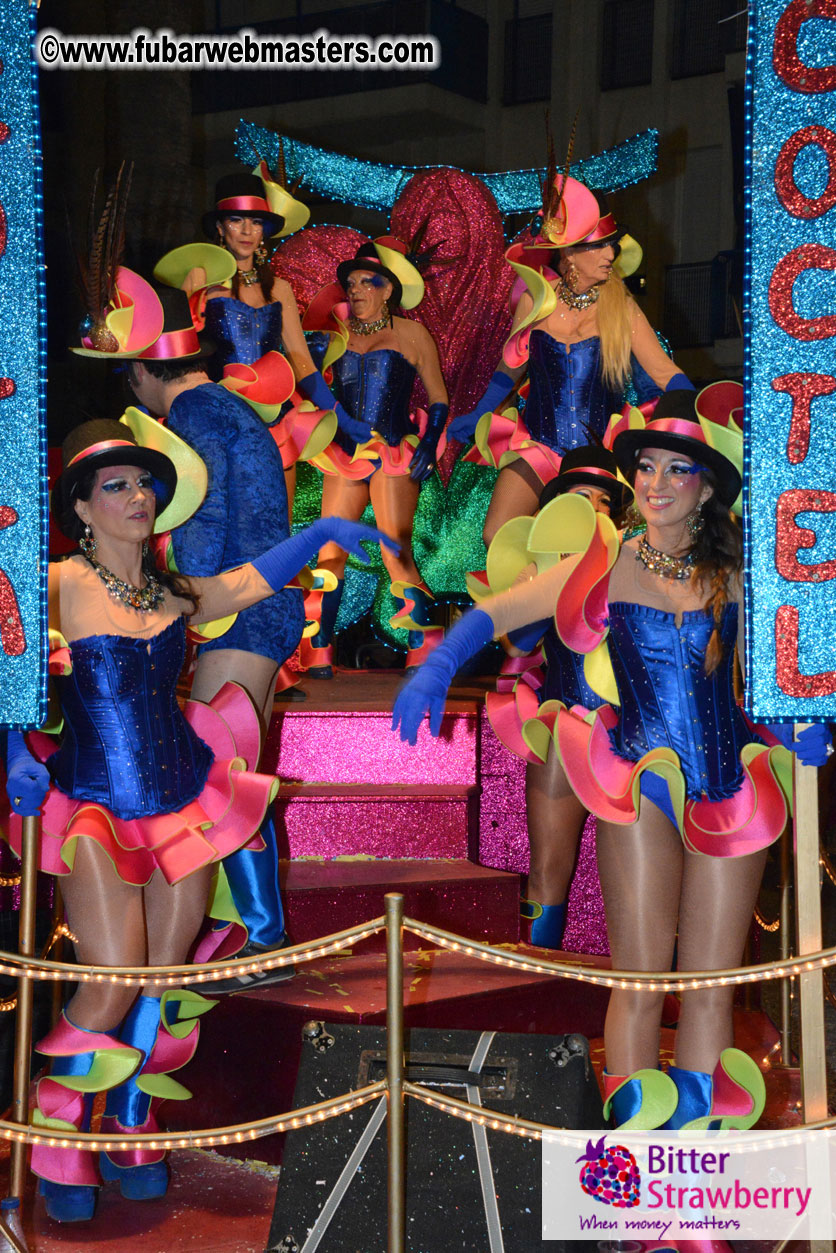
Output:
x,y
23,545
773,112
374,185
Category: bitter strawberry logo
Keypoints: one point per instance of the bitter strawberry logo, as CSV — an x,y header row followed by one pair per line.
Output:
x,y
610,1174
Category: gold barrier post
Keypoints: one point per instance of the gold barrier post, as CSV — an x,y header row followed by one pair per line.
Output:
x,y
785,919
23,1022
394,1071
809,929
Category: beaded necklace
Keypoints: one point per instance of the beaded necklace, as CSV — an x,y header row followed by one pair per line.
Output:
x,y
367,328
576,300
144,599
663,564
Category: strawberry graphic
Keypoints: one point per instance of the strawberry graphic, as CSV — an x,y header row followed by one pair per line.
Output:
x,y
610,1174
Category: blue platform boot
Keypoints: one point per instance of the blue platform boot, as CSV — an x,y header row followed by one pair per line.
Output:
x,y
316,652
253,877
83,1063
542,925
165,1031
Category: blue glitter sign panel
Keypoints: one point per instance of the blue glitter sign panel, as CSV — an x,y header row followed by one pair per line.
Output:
x,y
374,185
790,362
22,363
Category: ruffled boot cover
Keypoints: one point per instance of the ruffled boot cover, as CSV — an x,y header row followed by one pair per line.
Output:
x,y
415,615
165,1032
83,1063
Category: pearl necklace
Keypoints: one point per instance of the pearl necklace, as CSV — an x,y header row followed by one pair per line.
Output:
x,y
367,328
665,566
576,300
144,599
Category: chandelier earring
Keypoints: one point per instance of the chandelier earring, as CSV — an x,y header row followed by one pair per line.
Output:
x,y
87,543
385,312
695,523
261,256
220,239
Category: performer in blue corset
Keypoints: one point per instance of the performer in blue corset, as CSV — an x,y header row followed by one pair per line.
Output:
x,y
139,802
255,312
687,793
245,507
373,380
576,330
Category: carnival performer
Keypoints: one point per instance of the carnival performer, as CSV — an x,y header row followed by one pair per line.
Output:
x,y
676,764
245,507
251,317
373,379
139,802
576,330
554,815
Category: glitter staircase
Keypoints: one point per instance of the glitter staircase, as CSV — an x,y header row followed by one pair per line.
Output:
x,y
457,895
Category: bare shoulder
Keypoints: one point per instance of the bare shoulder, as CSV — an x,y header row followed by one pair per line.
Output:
x,y
282,291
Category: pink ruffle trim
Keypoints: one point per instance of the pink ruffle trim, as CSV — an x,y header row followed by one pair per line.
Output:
x,y
515,702
508,441
225,816
609,785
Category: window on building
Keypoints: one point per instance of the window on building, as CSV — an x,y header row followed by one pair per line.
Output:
x,y
704,32
627,45
528,60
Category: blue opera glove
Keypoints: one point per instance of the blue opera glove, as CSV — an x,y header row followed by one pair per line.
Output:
x,y
317,390
27,781
284,560
424,457
680,383
810,745
462,427
426,691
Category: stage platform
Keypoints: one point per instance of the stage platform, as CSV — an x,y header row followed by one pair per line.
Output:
x,y
361,814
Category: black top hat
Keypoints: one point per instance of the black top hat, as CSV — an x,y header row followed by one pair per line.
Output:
x,y
241,194
179,339
675,427
366,258
95,445
591,464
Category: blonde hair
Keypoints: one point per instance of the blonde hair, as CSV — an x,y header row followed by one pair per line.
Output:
x,y
615,330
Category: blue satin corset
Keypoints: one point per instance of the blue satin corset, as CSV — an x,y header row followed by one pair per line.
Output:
x,y
564,674
241,332
667,699
126,743
376,387
567,397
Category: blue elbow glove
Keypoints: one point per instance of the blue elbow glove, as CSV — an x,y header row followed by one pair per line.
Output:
x,y
426,691
527,637
424,457
284,560
680,383
317,390
811,745
463,427
27,780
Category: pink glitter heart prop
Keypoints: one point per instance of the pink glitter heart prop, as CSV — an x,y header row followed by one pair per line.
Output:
x,y
309,259
465,308
7,388
4,132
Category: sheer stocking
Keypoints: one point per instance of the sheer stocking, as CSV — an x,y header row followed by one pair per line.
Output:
x,y
555,820
516,493
119,924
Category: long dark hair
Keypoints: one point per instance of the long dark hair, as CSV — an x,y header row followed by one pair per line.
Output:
x,y
73,528
718,557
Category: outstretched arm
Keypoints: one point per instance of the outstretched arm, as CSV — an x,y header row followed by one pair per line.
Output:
x,y
237,589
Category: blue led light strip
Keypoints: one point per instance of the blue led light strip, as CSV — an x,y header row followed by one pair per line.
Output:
x,y
23,542
373,185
